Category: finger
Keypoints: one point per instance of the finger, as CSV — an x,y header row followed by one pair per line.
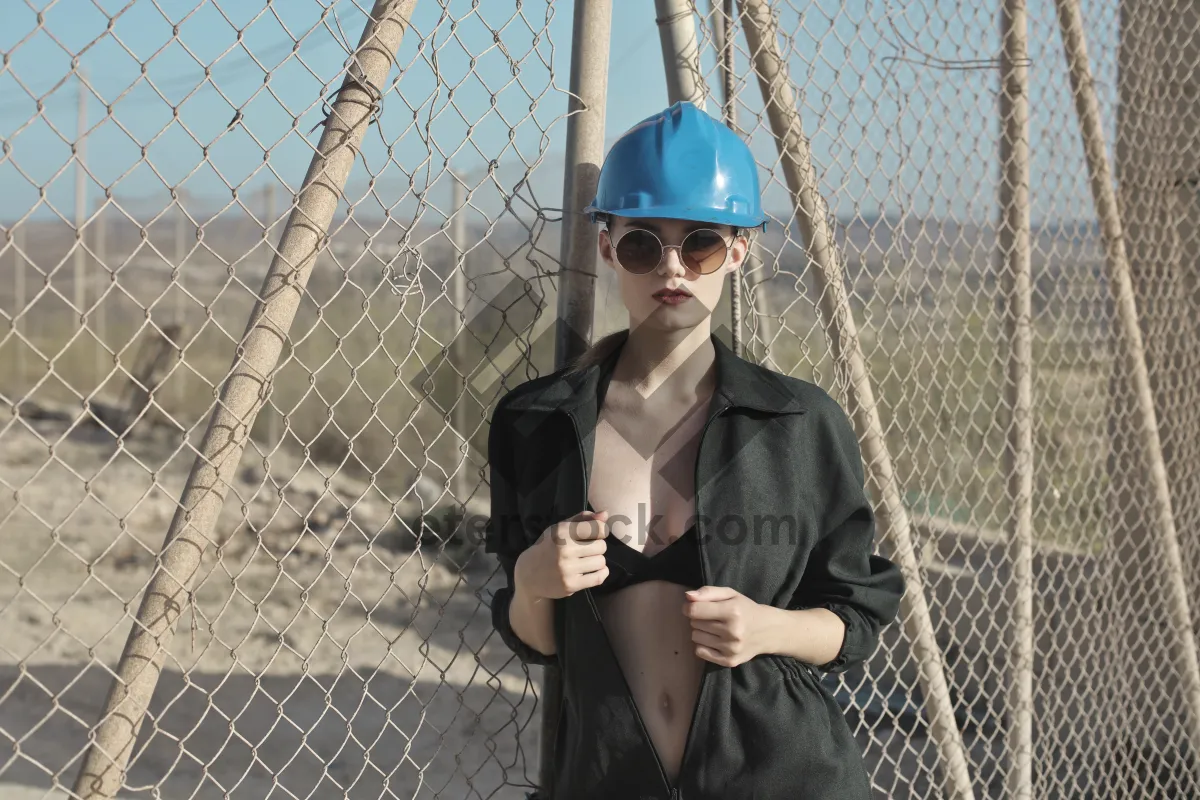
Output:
x,y
586,530
705,611
590,547
590,580
717,628
570,531
711,593
587,564
586,516
709,640
711,655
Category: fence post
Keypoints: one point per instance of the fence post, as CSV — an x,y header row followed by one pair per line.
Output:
x,y
1016,280
1015,271
1133,354
584,155
737,281
895,528
723,30
681,51
723,37
102,771
590,43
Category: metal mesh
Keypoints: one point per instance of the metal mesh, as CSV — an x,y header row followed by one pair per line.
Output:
x,y
336,640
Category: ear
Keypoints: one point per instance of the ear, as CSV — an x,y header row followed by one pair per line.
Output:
x,y
737,253
604,245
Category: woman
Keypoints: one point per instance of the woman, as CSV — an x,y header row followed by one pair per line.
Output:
x,y
686,534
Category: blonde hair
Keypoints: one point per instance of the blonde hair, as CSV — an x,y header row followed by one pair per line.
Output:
x,y
599,350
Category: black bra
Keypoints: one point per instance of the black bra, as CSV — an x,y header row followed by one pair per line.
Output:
x,y
678,562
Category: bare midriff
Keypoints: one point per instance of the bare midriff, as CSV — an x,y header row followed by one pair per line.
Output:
x,y
652,640
645,479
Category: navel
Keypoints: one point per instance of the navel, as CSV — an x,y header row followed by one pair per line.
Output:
x,y
664,705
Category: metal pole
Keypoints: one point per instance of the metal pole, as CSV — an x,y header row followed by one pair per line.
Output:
x,y
1017,286
1187,664
458,239
729,111
685,81
737,280
720,17
103,769
753,262
719,27
80,287
895,526
723,40
681,52
590,41
584,154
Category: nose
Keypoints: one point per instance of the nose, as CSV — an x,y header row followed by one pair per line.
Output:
x,y
671,264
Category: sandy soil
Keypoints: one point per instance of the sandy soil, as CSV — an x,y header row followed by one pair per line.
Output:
x,y
315,662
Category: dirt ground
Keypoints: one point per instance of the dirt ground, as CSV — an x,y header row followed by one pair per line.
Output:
x,y
317,660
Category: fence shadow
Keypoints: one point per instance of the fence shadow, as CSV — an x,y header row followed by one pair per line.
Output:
x,y
239,735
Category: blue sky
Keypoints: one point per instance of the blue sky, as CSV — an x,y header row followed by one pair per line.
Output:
x,y
888,135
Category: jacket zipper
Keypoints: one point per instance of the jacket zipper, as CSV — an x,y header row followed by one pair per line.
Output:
x,y
608,642
687,745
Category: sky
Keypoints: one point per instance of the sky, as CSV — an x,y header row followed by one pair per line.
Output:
x,y
891,132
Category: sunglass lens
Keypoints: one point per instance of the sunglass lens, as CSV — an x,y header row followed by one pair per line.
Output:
x,y
704,251
639,251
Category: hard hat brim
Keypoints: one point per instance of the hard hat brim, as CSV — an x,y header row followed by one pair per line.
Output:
x,y
687,213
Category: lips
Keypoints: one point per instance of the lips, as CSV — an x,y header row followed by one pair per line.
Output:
x,y
672,293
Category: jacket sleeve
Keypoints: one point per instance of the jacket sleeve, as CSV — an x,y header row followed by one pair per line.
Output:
x,y
842,574
505,536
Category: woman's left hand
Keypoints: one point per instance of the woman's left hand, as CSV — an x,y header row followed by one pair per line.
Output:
x,y
725,624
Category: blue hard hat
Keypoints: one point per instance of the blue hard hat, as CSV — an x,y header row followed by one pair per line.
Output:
x,y
680,164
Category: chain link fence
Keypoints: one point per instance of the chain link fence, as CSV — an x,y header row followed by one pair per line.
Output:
x,y
324,575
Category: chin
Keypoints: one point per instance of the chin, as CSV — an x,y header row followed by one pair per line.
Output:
x,y
665,318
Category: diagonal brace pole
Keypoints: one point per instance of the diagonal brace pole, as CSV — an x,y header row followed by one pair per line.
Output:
x,y
779,97
246,388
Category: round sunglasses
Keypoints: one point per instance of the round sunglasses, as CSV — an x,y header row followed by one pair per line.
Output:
x,y
703,251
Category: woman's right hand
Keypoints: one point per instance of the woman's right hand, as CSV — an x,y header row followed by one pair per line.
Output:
x,y
567,557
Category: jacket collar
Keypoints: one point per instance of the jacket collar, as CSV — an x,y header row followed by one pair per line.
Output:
x,y
740,383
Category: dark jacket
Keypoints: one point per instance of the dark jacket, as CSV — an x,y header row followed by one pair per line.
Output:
x,y
783,519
